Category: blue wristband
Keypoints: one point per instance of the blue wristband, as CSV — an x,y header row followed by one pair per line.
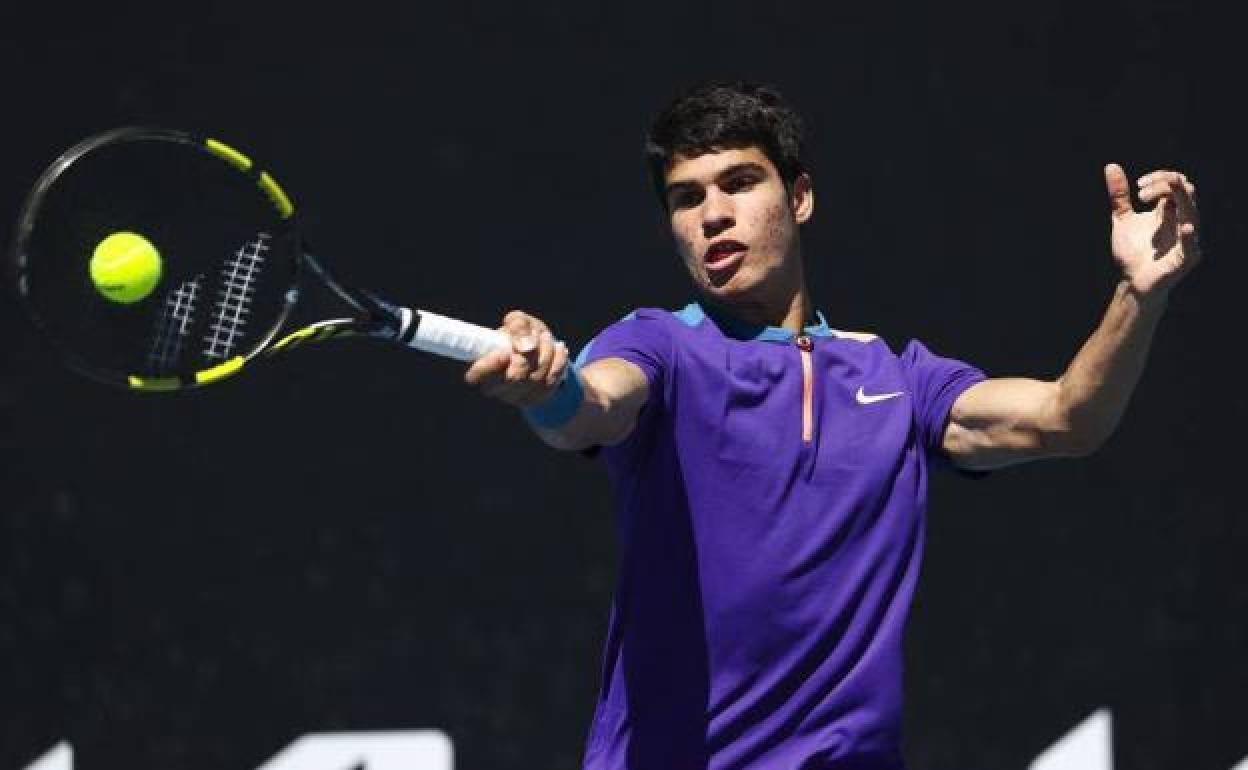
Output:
x,y
562,405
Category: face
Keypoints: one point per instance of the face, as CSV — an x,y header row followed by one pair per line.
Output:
x,y
736,226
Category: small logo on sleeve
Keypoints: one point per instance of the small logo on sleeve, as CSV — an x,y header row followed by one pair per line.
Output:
x,y
863,398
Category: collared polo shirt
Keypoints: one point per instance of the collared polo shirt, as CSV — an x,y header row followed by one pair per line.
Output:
x,y
770,514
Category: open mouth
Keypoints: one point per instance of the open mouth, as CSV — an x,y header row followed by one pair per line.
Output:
x,y
723,254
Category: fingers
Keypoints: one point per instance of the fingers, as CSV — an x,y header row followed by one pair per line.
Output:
x,y
1119,191
535,344
1158,184
523,329
1183,192
545,355
1173,189
558,365
488,367
529,372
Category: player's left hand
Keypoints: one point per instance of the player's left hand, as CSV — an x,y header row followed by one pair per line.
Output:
x,y
1156,247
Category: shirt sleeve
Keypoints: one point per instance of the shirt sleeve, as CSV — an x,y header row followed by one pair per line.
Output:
x,y
642,339
639,338
935,383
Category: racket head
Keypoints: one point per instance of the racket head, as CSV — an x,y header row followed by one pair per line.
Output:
x,y
230,257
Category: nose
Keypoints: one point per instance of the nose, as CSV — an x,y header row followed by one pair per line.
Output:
x,y
717,213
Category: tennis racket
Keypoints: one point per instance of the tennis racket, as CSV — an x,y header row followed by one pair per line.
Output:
x,y
231,262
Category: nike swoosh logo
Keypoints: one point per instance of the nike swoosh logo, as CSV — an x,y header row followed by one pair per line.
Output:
x,y
863,398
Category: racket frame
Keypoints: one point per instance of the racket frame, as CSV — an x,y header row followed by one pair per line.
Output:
x,y
374,317
29,216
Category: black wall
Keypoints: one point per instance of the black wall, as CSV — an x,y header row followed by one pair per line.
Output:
x,y
352,540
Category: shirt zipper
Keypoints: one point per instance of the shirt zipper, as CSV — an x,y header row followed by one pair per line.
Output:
x,y
805,345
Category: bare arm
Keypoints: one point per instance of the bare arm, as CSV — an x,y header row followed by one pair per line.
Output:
x,y
1006,421
615,392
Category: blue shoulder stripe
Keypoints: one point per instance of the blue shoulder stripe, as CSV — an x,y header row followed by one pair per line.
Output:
x,y
691,314
584,354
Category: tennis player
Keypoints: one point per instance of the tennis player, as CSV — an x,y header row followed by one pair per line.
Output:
x,y
770,472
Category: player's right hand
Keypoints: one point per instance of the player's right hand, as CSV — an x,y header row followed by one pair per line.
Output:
x,y
527,374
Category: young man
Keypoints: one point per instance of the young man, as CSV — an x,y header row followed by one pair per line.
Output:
x,y
770,472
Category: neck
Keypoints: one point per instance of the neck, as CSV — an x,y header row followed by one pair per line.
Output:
x,y
791,312
798,312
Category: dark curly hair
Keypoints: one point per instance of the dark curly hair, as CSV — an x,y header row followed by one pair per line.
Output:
x,y
721,115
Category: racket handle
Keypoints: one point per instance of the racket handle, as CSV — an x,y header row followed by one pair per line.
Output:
x,y
451,338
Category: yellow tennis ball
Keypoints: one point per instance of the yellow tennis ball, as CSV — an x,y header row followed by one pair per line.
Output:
x,y
125,267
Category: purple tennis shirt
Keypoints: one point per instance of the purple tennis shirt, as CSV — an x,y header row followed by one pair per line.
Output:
x,y
770,513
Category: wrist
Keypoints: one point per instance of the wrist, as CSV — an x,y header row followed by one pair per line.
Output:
x,y
1150,302
560,406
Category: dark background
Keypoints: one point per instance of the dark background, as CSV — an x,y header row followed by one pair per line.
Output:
x,y
354,541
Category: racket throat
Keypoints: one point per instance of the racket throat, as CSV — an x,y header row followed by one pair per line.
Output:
x,y
384,319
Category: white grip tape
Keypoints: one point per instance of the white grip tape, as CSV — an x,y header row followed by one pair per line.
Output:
x,y
449,337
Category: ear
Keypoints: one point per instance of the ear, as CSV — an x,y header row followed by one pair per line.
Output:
x,y
803,198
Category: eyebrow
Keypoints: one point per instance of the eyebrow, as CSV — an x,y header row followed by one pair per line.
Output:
x,y
732,170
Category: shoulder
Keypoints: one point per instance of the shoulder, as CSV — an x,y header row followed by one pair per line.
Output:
x,y
643,334
861,344
657,320
873,344
917,352
689,316
862,338
871,349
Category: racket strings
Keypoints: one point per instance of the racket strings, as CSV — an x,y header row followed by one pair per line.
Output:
x,y
238,277
173,325
229,258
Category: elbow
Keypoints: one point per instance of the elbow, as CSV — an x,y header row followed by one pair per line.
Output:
x,y
563,440
1075,441
559,442
1085,446
1074,430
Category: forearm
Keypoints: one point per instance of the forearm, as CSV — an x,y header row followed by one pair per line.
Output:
x,y
583,430
611,393
1093,392
1008,420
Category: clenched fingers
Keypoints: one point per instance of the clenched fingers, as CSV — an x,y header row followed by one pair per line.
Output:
x,y
489,367
528,373
1159,184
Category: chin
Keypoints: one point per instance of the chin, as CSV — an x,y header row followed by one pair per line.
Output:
x,y
738,284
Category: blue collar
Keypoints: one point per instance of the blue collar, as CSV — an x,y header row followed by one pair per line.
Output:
x,y
734,327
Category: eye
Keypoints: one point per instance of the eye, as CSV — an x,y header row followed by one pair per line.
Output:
x,y
739,183
684,198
